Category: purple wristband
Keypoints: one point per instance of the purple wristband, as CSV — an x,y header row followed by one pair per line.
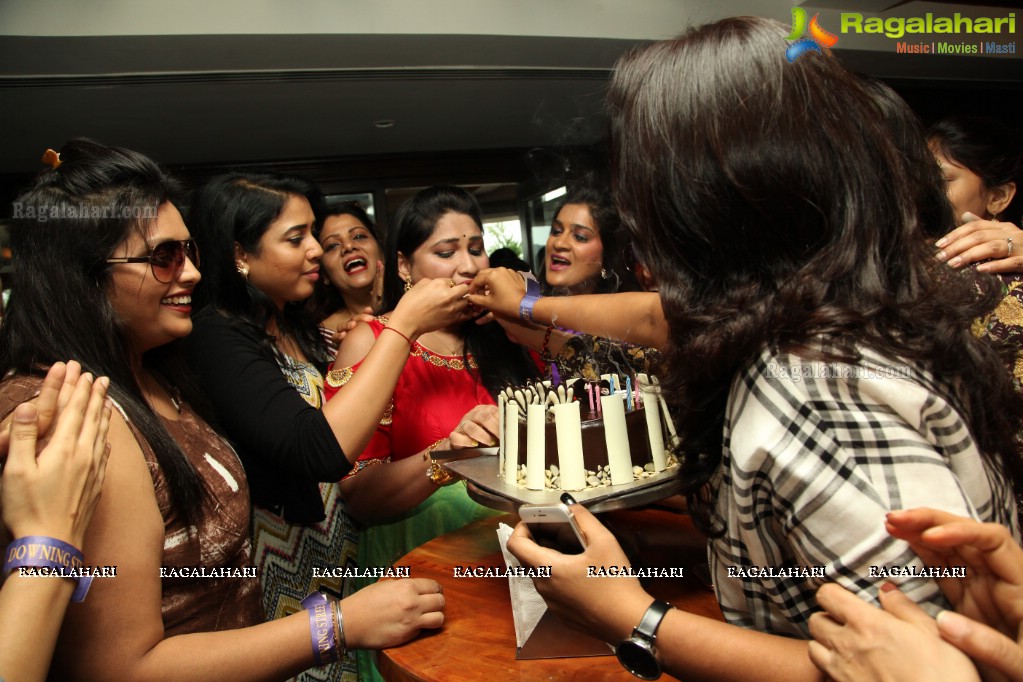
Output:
x,y
530,299
39,551
321,628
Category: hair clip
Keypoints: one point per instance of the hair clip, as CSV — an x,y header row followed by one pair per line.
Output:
x,y
52,159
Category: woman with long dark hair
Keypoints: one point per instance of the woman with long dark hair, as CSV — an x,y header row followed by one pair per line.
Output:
x,y
106,270
445,397
261,356
820,363
585,251
351,268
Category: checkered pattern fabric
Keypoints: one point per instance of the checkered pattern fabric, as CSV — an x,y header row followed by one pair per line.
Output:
x,y
814,455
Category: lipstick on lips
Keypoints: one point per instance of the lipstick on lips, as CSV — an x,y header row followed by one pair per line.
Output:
x,y
355,265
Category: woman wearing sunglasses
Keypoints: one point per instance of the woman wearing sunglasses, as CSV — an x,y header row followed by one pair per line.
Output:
x,y
261,356
111,287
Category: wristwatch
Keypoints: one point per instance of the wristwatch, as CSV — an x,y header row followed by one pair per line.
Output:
x,y
637,653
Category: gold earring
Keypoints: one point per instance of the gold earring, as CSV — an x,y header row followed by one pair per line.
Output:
x,y
408,284
243,270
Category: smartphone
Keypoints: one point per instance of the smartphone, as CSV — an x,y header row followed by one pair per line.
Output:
x,y
553,526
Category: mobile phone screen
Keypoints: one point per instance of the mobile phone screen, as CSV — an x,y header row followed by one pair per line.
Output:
x,y
559,536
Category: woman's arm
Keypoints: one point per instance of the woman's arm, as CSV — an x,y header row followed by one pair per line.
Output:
x,y
691,647
52,495
382,491
263,412
118,633
636,317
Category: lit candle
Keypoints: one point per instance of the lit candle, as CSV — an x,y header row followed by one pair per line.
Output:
x,y
653,422
536,422
570,446
619,455
511,451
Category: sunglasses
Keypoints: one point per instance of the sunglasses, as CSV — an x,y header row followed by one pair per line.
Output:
x,y
167,259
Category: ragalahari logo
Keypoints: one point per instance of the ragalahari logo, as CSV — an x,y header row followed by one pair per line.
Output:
x,y
818,36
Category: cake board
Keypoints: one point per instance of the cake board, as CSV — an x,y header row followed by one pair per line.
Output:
x,y
479,467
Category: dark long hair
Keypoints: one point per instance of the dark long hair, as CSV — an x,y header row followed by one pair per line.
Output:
x,y
774,208
501,362
239,207
988,148
618,275
326,298
64,228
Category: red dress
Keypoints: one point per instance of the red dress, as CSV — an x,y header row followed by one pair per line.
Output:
x,y
433,393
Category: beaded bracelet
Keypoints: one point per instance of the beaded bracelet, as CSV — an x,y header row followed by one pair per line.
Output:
x,y
545,354
39,551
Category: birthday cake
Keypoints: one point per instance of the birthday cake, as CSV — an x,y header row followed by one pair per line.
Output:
x,y
583,434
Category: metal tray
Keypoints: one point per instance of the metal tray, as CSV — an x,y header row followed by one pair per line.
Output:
x,y
479,468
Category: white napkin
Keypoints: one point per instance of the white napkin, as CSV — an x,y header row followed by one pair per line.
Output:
x,y
527,604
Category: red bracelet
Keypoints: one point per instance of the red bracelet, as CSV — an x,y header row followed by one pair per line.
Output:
x,y
407,339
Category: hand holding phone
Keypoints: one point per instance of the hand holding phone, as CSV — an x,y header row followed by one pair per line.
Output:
x,y
553,526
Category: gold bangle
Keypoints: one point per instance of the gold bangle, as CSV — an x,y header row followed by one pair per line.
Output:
x,y
437,474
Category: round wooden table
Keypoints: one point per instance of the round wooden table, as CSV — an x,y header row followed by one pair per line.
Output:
x,y
478,638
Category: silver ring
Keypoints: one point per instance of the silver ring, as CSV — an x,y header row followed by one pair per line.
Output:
x,y
1009,242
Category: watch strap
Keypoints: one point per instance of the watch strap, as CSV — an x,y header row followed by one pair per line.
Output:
x,y
651,620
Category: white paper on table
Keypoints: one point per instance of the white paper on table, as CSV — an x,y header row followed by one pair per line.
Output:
x,y
527,604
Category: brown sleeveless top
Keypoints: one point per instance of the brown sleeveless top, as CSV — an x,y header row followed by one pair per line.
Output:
x,y
219,546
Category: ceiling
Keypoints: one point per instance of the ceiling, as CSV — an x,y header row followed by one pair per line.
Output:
x,y
239,81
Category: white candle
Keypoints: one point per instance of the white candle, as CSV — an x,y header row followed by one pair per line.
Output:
x,y
511,451
667,415
653,421
536,416
500,430
568,424
619,455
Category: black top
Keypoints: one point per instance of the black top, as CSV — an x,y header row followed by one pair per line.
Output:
x,y
286,445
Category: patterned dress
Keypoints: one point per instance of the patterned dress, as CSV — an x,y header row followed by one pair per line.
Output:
x,y
286,554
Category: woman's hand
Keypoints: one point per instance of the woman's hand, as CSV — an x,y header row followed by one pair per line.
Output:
x,y
606,607
430,305
992,590
993,651
979,240
479,426
54,494
499,290
391,612
856,641
342,330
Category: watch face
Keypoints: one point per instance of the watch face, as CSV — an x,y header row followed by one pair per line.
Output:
x,y
638,658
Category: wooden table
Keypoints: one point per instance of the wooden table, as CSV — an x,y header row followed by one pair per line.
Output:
x,y
478,638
